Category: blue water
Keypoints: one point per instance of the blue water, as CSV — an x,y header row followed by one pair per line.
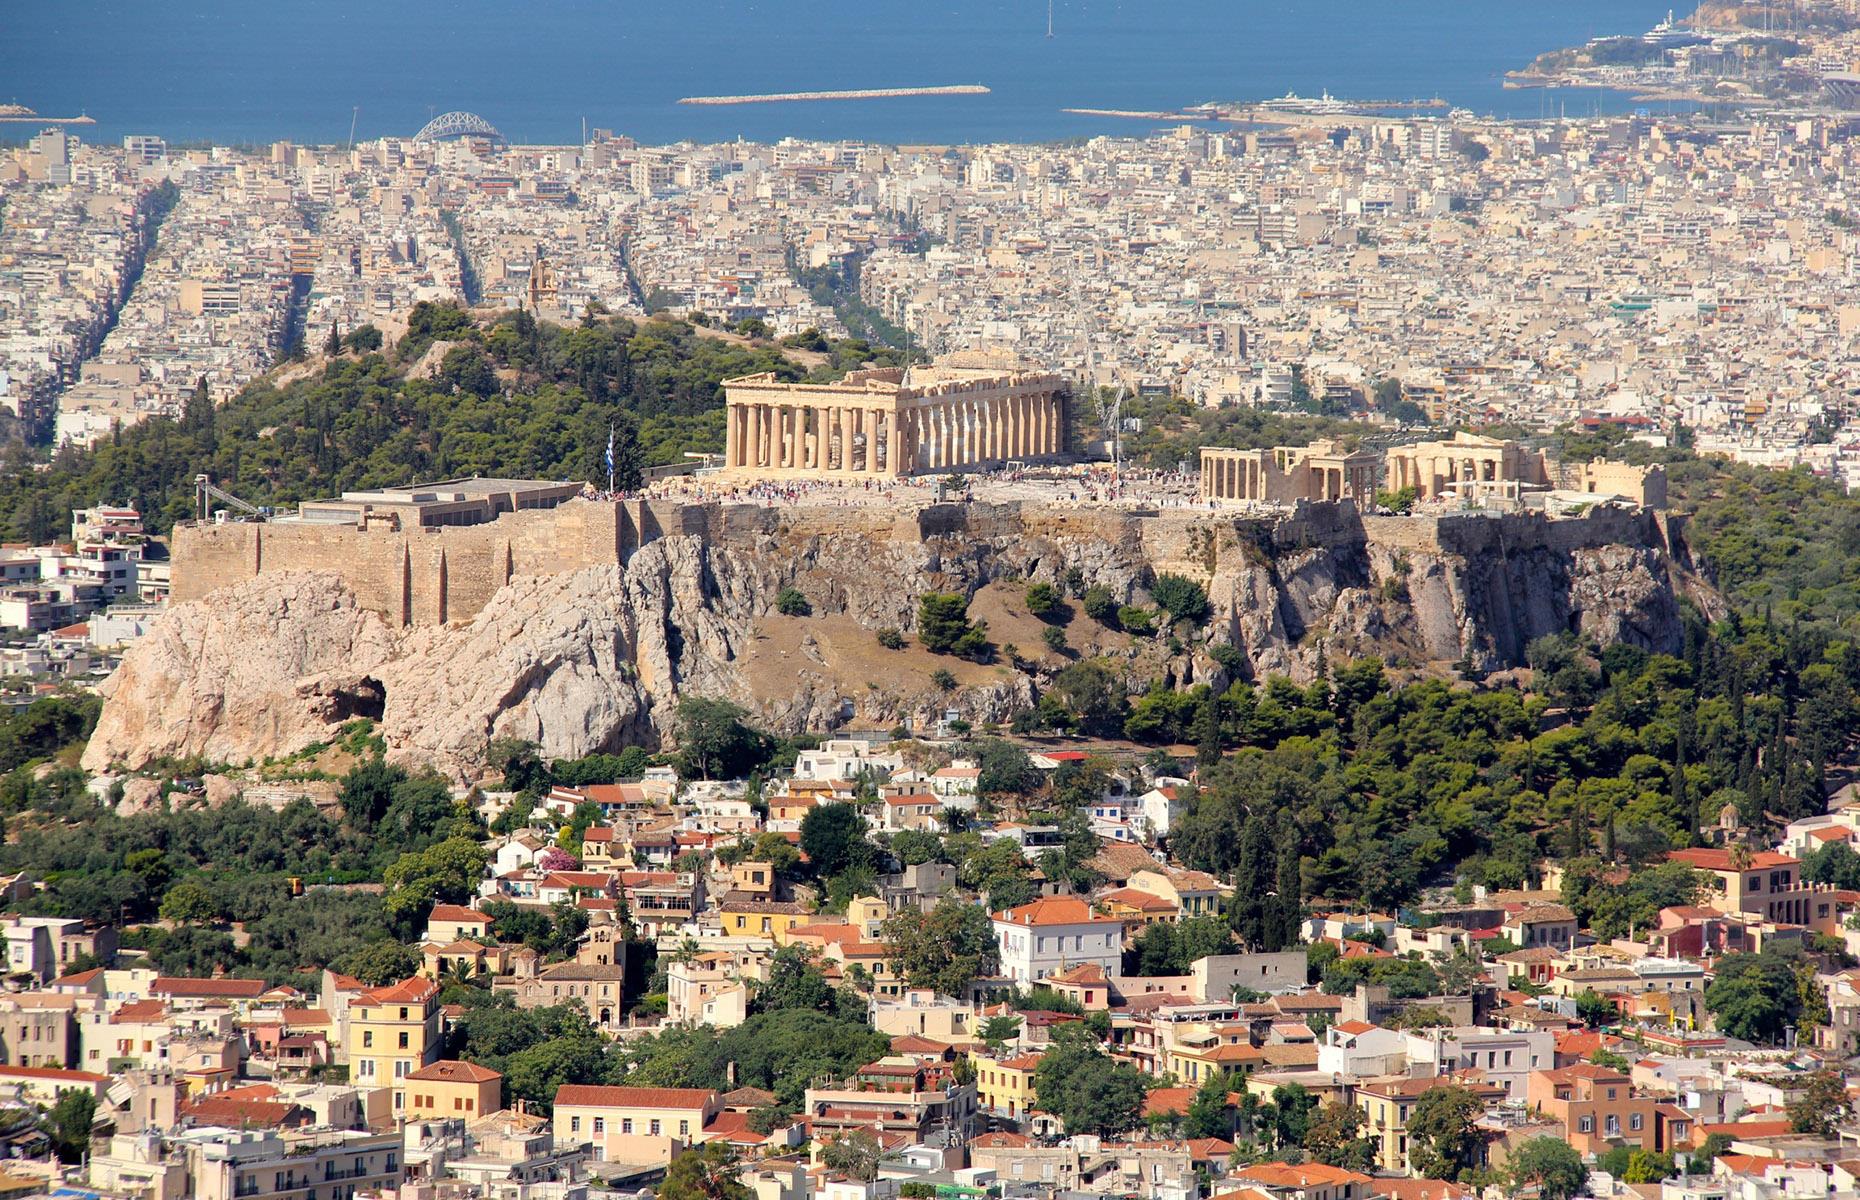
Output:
x,y
258,70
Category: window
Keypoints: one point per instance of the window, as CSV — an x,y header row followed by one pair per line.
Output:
x,y
684,1129
653,1129
401,1066
403,1040
1586,1125
574,1124
1634,1120
368,1039
600,1124
1614,1125
626,1124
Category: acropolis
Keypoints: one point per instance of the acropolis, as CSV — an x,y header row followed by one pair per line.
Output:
x,y
963,412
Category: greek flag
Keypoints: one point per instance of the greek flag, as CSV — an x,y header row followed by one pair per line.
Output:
x,y
610,449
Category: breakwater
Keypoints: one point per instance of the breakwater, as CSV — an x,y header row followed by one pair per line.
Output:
x,y
960,89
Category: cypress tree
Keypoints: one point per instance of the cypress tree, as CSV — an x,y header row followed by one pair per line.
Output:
x,y
1207,733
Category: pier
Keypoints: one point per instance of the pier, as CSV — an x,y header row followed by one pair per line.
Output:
x,y
19,114
961,89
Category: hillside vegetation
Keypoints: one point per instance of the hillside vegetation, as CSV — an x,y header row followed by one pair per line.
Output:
x,y
514,398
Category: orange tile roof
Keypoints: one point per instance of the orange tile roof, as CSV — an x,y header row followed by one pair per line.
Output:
x,y
594,1096
408,991
1052,910
449,1070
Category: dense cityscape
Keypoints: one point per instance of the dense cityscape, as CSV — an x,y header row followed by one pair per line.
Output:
x,y
1308,649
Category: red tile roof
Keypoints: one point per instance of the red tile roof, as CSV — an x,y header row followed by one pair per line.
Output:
x,y
224,989
1711,858
595,1096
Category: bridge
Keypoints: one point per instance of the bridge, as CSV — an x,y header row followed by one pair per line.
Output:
x,y
455,125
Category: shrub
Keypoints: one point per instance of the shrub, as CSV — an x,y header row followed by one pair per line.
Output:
x,y
1181,597
1044,601
789,602
1134,619
942,680
890,639
1055,638
1100,605
1228,655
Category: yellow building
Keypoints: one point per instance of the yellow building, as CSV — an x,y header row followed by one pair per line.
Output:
x,y
449,1088
632,1125
1200,1056
1387,1105
1006,1086
393,1032
744,915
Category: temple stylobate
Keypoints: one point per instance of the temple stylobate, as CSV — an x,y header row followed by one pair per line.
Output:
x,y
962,412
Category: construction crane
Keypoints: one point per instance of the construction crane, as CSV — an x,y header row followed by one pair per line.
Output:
x,y
205,493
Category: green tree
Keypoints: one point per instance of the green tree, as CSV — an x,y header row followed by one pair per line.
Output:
x,y
706,1172
445,873
1100,605
1820,1106
1005,769
1335,1138
1209,1115
1181,597
997,1032
714,740
191,903
833,838
367,790
1594,1009
1080,1084
943,625
1754,996
944,949
789,602
380,963
855,1155
1550,1164
1441,1140
1045,602
69,1122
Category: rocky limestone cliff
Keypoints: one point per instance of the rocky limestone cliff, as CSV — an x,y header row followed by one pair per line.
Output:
x,y
597,658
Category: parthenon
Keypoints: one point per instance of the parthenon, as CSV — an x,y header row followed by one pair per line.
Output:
x,y
959,413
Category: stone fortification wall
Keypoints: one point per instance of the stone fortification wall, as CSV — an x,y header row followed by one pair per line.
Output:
x,y
437,575
424,576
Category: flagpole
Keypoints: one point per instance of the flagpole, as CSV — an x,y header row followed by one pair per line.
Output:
x,y
610,458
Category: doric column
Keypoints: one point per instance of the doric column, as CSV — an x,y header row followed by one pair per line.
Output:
x,y
846,440
755,435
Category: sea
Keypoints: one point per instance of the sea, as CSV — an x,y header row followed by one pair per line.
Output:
x,y
312,71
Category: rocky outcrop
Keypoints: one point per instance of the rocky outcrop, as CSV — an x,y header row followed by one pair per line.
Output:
x,y
596,658
260,670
